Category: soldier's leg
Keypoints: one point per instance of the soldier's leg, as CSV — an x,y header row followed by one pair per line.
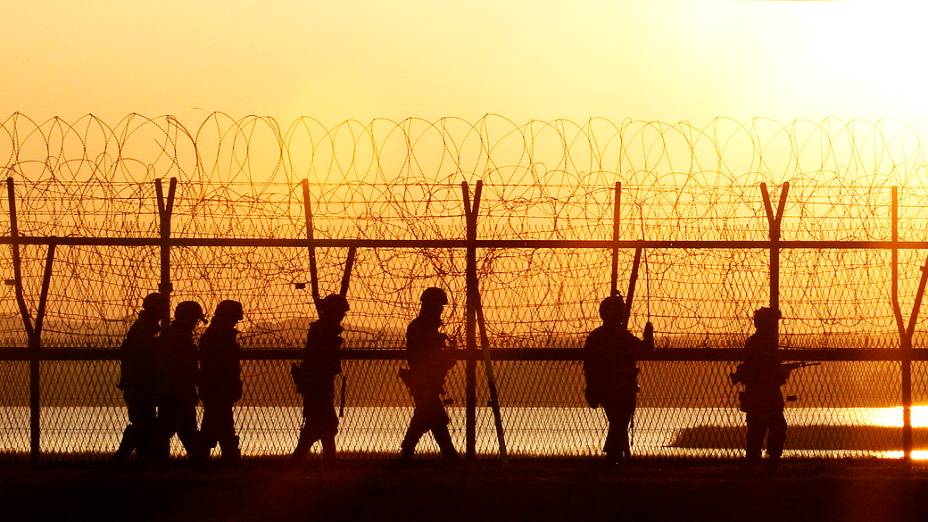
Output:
x,y
776,437
757,429
188,433
328,430
166,427
225,432
439,430
130,437
145,420
308,434
208,429
328,448
617,437
418,426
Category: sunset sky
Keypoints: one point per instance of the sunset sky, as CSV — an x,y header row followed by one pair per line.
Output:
x,y
669,59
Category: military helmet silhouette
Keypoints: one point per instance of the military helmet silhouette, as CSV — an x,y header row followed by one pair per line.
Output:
x,y
765,316
611,306
187,310
155,302
229,309
434,296
333,303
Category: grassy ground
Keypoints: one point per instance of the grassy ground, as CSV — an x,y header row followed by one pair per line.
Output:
x,y
429,490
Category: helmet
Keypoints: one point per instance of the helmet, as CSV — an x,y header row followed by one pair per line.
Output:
x,y
766,316
333,303
187,310
229,309
434,296
155,302
612,306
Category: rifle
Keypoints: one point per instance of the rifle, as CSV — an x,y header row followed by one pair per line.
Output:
x,y
736,375
797,365
632,281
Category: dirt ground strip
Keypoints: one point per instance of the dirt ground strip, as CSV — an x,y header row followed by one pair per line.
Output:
x,y
548,489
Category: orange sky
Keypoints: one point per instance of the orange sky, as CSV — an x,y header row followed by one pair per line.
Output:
x,y
525,59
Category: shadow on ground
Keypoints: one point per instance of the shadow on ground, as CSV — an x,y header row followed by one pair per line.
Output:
x,y
548,489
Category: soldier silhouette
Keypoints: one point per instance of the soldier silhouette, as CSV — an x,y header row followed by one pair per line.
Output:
x,y
138,375
315,378
220,379
762,375
177,396
430,359
609,365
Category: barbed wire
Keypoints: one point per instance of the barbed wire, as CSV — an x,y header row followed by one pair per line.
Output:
x,y
383,179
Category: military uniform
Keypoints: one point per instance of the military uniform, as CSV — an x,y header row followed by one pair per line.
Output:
x,y
220,387
138,375
611,373
321,363
429,362
177,397
762,401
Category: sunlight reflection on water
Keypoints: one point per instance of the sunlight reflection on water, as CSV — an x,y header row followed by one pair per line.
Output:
x,y
712,432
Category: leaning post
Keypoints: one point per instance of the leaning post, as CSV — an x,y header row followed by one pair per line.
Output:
x,y
308,219
616,221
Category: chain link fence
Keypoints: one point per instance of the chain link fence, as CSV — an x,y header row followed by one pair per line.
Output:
x,y
552,235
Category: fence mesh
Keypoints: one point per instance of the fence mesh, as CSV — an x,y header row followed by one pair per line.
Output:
x,y
386,180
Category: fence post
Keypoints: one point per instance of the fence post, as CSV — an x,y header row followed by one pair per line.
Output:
x,y
33,332
616,221
905,334
773,221
165,209
470,327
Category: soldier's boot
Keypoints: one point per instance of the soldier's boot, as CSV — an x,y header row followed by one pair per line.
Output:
x,y
303,445
443,438
407,450
126,445
328,449
231,453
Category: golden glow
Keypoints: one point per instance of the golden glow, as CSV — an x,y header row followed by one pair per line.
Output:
x,y
666,59
892,417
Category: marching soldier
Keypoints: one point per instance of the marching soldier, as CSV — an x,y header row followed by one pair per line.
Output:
x,y
429,358
177,398
315,379
611,373
138,375
762,375
220,379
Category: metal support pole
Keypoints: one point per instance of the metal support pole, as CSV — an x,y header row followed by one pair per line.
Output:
x,y
491,383
33,332
165,209
346,275
616,221
773,221
905,339
308,217
471,209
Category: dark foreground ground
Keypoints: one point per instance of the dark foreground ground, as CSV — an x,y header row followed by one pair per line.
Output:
x,y
523,490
